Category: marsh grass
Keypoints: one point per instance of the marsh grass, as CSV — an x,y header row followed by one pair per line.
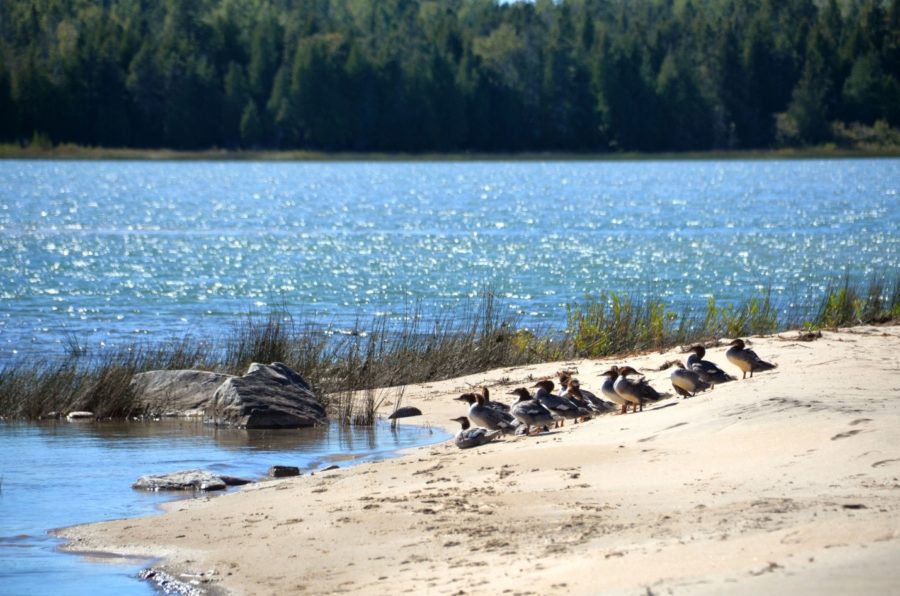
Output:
x,y
350,369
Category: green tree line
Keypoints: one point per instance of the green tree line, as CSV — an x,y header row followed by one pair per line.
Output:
x,y
447,75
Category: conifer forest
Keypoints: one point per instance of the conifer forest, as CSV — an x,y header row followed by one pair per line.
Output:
x,y
447,75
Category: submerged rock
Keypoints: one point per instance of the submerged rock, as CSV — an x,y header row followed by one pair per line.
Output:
x,y
185,480
268,396
176,392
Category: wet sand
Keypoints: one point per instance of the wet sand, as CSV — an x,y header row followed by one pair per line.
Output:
x,y
787,482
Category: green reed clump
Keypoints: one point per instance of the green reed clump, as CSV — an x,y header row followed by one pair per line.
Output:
x,y
757,315
845,304
616,324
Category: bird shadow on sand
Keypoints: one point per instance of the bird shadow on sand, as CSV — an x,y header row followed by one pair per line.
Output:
x,y
658,408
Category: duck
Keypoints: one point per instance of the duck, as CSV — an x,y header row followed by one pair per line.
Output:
x,y
628,390
529,411
491,418
685,381
591,401
608,388
490,403
746,359
469,436
709,372
561,407
564,376
470,399
635,392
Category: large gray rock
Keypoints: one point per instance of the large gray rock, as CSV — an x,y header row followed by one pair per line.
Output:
x,y
187,480
176,392
268,396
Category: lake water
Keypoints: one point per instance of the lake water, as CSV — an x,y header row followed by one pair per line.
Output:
x,y
115,252
60,474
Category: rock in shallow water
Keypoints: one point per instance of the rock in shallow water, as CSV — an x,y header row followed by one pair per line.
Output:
x,y
176,392
268,396
187,480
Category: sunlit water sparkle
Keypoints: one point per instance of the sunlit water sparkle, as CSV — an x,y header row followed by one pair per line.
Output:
x,y
111,251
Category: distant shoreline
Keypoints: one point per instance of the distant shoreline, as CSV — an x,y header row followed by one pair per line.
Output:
x,y
77,152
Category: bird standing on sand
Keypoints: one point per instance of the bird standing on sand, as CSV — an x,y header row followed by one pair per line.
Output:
x,y
685,381
709,372
746,359
470,399
491,417
562,408
608,388
490,403
469,437
636,392
529,411
590,401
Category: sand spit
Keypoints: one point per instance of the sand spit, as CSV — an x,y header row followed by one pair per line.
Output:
x,y
788,482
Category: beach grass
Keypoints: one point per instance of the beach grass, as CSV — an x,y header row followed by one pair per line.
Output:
x,y
353,372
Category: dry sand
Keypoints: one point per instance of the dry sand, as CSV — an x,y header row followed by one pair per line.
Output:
x,y
788,482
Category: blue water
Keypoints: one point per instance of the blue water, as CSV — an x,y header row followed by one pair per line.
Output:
x,y
60,474
109,253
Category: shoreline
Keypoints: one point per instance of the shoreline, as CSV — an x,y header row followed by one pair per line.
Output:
x,y
66,152
788,480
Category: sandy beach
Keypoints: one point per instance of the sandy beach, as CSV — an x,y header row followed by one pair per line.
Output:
x,y
788,482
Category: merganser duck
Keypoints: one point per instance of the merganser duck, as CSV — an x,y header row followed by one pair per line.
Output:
x,y
686,382
591,401
529,411
635,392
492,418
470,399
608,388
564,377
561,407
746,359
476,436
490,403
708,371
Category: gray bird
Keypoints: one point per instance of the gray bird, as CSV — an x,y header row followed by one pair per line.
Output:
x,y
562,408
708,371
746,359
588,399
608,388
469,436
529,411
470,399
492,418
686,381
635,392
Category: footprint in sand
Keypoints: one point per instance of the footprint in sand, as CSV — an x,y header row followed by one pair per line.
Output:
x,y
849,433
884,462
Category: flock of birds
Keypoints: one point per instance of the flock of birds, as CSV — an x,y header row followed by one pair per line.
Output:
x,y
545,407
